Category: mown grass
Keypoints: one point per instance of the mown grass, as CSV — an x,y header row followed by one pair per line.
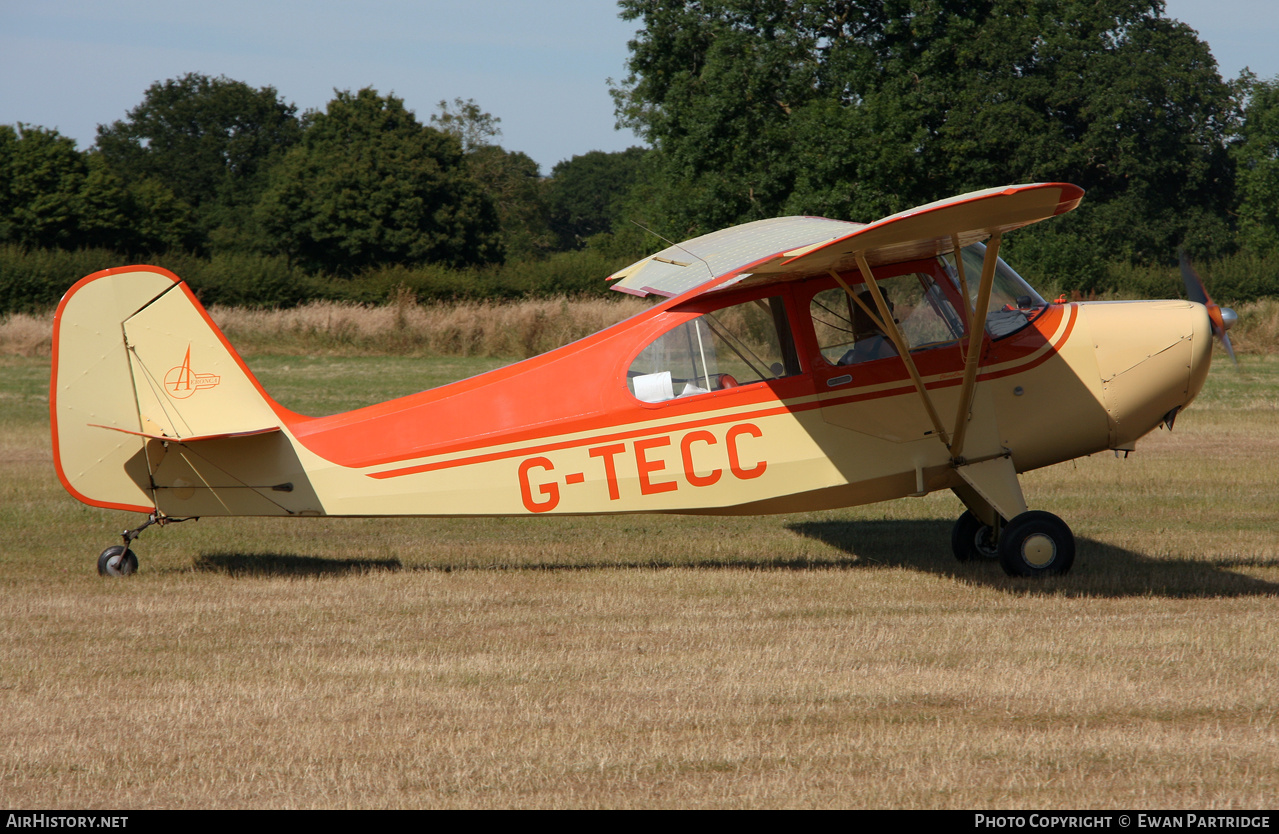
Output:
x,y
838,659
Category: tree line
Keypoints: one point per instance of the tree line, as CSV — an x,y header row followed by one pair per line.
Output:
x,y
214,166
751,108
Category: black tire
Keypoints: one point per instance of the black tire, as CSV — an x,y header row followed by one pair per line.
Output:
x,y
970,539
117,561
1036,543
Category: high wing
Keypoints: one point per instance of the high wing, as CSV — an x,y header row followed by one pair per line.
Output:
x,y
791,248
702,260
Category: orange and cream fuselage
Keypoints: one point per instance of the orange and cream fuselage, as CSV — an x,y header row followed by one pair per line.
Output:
x,y
153,411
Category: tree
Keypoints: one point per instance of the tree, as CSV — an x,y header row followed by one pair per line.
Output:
x,y
211,141
1257,155
41,178
511,179
858,108
466,122
54,196
368,185
585,194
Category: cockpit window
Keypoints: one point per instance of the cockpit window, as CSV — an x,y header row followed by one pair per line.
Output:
x,y
737,345
849,330
1013,304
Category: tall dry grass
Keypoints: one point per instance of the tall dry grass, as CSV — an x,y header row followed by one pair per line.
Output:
x,y
26,334
1258,328
404,327
466,328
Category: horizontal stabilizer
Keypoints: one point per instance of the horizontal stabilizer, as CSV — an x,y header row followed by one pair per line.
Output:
x,y
194,439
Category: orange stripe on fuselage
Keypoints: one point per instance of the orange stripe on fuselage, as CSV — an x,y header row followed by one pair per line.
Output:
x,y
731,417
1035,357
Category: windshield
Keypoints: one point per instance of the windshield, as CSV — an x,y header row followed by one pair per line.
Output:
x,y
1013,304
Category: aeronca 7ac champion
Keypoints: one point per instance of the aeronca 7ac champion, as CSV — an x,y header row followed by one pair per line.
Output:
x,y
790,364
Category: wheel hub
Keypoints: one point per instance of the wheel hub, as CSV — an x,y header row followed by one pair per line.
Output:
x,y
1038,550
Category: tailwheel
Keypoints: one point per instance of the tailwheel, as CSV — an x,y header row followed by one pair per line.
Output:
x,y
971,539
1036,543
117,560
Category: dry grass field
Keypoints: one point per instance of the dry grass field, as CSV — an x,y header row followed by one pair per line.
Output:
x,y
836,659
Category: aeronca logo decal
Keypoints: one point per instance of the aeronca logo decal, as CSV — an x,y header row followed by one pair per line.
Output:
x,y
181,382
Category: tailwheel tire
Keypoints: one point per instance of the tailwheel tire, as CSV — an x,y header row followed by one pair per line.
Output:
x,y
1036,543
117,560
971,539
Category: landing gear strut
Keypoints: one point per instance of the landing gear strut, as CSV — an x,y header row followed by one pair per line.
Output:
x,y
119,560
1033,544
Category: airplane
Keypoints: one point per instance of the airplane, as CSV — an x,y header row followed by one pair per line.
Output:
x,y
786,365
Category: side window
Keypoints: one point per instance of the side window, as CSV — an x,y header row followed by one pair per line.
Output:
x,y
847,334
737,345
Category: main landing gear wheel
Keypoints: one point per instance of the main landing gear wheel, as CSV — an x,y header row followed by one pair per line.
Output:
x,y
970,539
1036,543
117,560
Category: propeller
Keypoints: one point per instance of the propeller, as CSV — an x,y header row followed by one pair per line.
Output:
x,y
1222,318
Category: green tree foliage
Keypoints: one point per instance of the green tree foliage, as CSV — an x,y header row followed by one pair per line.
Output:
x,y
465,121
369,184
858,108
42,176
586,194
1257,155
211,141
511,179
54,196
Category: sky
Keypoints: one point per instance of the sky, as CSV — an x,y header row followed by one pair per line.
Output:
x,y
541,66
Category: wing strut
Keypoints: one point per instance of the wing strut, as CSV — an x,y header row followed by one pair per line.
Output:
x,y
976,330
963,280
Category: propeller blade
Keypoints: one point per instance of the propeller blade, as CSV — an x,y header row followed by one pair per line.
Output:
x,y
1194,284
1225,342
1221,318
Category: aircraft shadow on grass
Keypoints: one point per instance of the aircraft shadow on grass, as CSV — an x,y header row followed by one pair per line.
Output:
x,y
289,564
1101,569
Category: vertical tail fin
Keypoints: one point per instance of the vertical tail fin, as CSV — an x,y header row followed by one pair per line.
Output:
x,y
135,357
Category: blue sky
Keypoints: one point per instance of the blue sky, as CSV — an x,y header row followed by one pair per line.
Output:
x,y
541,67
